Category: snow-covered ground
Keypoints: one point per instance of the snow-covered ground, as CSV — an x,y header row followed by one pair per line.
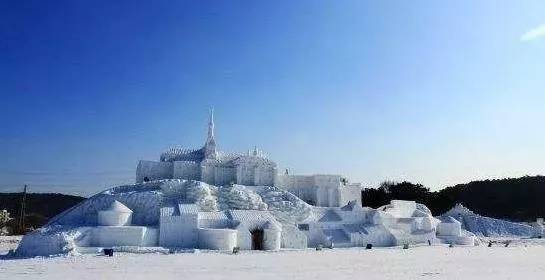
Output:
x,y
521,260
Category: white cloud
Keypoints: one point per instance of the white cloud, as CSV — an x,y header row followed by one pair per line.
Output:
x,y
533,33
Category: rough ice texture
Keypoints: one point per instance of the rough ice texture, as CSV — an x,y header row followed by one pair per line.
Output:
x,y
285,206
52,240
488,227
143,199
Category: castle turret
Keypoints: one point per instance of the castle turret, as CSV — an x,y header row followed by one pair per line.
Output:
x,y
210,145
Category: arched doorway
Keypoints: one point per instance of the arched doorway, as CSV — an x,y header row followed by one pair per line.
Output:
x,y
257,239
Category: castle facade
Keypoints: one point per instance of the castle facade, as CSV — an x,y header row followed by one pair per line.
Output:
x,y
253,168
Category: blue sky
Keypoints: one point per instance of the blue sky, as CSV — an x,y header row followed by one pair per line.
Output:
x,y
435,92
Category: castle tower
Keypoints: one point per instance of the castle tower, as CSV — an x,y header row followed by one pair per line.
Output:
x,y
210,145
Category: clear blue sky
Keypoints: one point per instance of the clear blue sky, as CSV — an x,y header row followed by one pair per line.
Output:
x,y
436,92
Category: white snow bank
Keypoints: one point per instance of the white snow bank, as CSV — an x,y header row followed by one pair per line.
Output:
x,y
485,226
53,240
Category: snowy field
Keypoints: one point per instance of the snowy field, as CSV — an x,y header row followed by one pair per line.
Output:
x,y
518,261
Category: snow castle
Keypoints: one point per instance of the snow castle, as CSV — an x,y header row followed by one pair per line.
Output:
x,y
204,199
214,167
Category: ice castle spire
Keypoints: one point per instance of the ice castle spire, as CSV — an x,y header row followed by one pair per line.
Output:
x,y
211,125
210,146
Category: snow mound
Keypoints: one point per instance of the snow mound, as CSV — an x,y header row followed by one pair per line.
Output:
x,y
48,241
65,231
240,198
285,206
485,226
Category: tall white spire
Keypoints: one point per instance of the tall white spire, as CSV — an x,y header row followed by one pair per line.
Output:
x,y
210,146
211,125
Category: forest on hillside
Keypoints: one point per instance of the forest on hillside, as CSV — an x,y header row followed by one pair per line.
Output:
x,y
40,207
516,199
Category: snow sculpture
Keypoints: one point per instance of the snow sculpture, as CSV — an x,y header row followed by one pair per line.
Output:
x,y
116,215
216,168
210,200
217,239
449,226
272,236
488,227
193,214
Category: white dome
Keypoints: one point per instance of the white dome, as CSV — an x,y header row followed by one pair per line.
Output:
x,y
116,215
117,206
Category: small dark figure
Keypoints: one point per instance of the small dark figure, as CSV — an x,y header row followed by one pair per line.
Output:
x,y
451,245
539,237
146,179
319,247
369,246
331,246
406,246
489,243
507,243
109,252
236,250
429,242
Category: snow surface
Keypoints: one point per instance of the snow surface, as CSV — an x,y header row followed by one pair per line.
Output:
x,y
520,260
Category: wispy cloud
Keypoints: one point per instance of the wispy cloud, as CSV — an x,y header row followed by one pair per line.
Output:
x,y
533,34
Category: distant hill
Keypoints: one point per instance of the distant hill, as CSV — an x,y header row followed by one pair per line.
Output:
x,y
517,199
40,207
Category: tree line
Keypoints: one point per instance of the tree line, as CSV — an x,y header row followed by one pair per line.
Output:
x,y
516,199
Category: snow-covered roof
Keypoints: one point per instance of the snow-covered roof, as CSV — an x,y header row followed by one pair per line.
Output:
x,y
182,154
215,215
254,218
214,220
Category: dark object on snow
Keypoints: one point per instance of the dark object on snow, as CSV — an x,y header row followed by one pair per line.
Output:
x,y
451,245
429,242
369,246
146,179
236,250
489,243
319,248
331,246
109,252
539,237
507,243
406,246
